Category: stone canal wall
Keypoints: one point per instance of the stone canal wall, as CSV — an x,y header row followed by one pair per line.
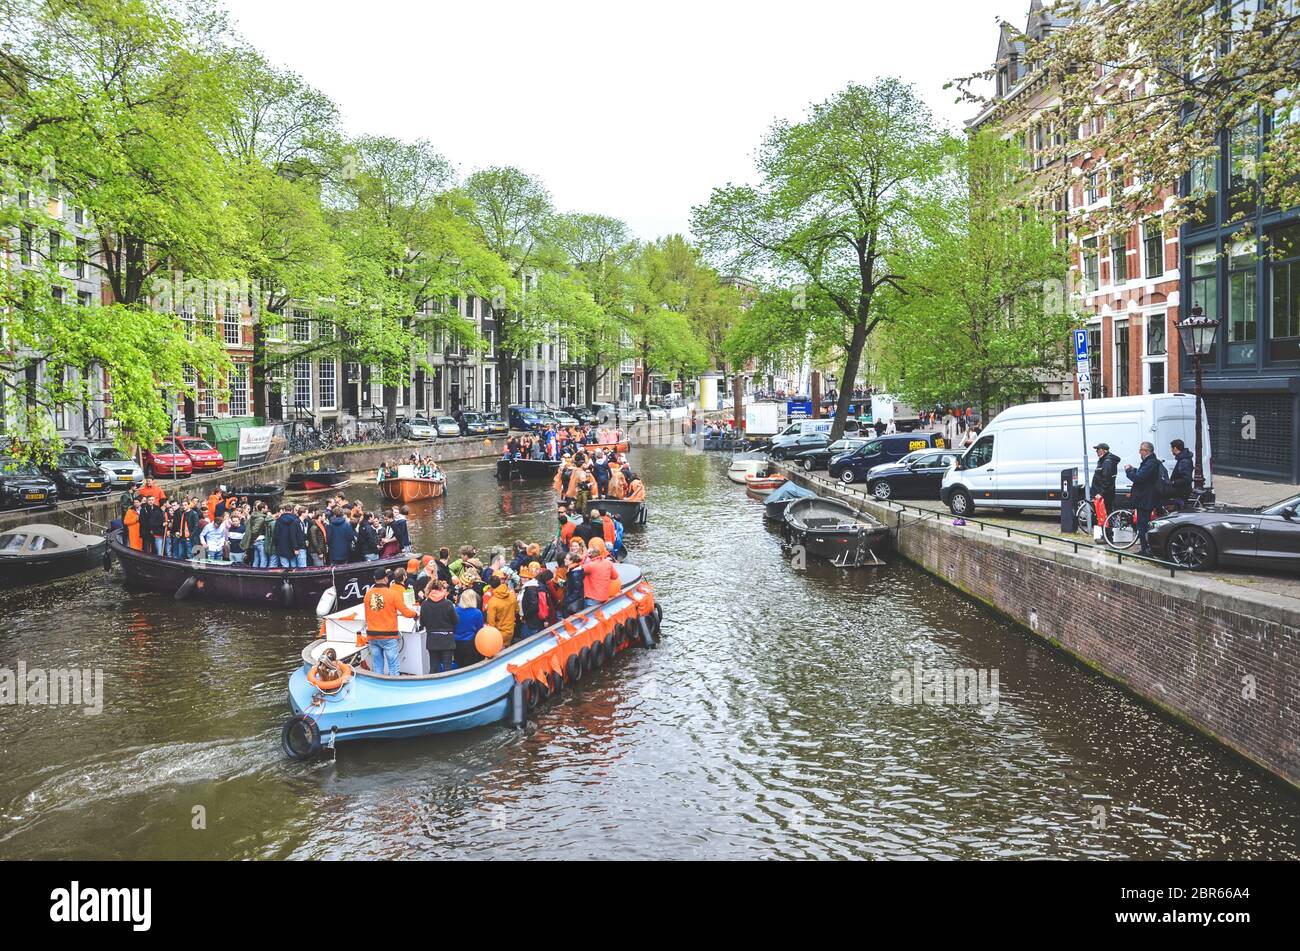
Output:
x,y
91,514
1219,657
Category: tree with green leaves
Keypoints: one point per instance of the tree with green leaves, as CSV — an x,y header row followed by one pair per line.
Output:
x,y
988,310
671,285
837,192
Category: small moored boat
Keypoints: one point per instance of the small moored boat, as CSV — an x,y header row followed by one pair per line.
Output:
x,y
528,470
43,552
323,588
316,480
747,464
775,504
362,704
629,513
408,487
764,484
268,492
831,529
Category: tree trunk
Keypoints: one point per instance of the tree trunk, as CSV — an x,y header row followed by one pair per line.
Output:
x,y
589,385
390,405
854,358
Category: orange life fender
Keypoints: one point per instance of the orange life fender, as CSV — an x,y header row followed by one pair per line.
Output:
x,y
330,686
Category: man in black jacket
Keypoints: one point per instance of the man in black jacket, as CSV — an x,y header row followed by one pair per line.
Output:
x,y
1103,477
153,525
1146,490
290,541
367,539
1180,482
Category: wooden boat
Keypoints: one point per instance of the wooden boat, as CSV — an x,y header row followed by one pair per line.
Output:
x,y
43,552
408,487
366,705
224,581
629,513
764,484
623,446
831,529
774,507
267,492
747,464
529,470
316,480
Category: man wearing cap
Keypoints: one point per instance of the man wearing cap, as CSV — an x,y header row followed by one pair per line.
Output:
x,y
383,605
1103,477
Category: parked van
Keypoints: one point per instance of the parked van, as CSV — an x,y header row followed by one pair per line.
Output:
x,y
1017,460
890,409
787,437
882,450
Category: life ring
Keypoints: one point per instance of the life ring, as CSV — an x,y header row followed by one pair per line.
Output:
x,y
300,737
330,686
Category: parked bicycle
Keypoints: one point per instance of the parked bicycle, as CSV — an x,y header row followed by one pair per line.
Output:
x,y
1119,530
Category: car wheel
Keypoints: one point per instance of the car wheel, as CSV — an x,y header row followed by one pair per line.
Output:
x,y
847,477
807,465
1192,548
778,455
959,503
882,490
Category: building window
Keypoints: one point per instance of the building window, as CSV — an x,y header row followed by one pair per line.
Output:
x,y
25,242
187,321
1204,279
1091,277
301,327
207,406
1153,248
1203,182
239,389
81,257
1285,277
327,385
1153,369
1092,189
1121,358
1119,258
85,299
1242,340
302,383
231,331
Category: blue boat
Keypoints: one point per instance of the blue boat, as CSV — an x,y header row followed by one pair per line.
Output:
x,y
367,705
774,505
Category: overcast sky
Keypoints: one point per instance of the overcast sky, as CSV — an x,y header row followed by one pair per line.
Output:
x,y
630,109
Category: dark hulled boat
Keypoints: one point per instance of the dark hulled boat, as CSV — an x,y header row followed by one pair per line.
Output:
x,y
775,504
222,581
315,480
629,513
528,470
834,530
41,552
268,492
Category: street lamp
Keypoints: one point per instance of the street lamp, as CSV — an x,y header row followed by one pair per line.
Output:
x,y
1196,334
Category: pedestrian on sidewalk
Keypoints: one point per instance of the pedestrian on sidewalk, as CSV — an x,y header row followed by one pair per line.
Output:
x,y
1102,488
1145,492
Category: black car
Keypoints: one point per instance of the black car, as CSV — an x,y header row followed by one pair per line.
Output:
x,y
475,424
1255,538
854,466
917,475
23,486
803,444
583,414
820,457
77,475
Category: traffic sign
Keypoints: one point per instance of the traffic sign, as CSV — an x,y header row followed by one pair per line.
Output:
x,y
1080,345
1084,377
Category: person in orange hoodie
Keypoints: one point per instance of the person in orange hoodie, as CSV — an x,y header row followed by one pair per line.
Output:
x,y
636,492
597,573
131,519
501,610
383,605
213,499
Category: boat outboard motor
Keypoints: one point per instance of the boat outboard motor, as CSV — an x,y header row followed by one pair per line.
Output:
x,y
647,633
328,598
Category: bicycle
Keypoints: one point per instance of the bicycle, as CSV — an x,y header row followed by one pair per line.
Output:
x,y
1120,528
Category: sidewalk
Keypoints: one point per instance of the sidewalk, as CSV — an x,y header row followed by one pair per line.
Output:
x,y
1251,493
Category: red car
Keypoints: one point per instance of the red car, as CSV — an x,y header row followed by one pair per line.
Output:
x,y
169,459
203,456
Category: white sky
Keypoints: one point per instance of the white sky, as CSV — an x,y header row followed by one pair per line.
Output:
x,y
630,109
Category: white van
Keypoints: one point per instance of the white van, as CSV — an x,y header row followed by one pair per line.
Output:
x,y
890,409
1017,460
805,427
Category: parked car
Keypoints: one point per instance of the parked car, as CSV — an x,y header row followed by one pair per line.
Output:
x,y
917,475
447,427
167,460
1016,462
789,448
204,457
585,415
525,418
77,475
855,466
418,426
474,424
656,412
820,456
496,424
1253,538
22,485
125,470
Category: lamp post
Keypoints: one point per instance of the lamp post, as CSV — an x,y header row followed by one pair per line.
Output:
x,y
1196,334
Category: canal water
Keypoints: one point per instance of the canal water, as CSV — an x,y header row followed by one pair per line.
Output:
x,y
763,726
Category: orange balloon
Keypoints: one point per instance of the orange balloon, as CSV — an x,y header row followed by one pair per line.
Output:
x,y
488,641
487,442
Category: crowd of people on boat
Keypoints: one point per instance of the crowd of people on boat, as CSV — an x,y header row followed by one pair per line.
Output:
x,y
557,442
230,528
423,467
585,476
514,591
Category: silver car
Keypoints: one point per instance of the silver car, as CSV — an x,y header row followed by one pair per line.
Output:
x,y
122,469
447,427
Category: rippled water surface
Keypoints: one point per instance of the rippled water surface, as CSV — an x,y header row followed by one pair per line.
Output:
x,y
762,726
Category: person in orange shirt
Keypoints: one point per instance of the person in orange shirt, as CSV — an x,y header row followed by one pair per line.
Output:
x,y
383,605
131,519
597,573
151,491
636,492
213,499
